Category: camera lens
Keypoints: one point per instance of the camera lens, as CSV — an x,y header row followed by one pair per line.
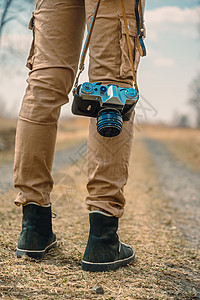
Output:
x,y
109,122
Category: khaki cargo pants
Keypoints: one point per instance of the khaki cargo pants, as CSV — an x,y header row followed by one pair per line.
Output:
x,y
58,28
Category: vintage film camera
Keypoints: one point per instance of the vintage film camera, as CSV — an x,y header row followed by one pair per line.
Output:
x,y
110,104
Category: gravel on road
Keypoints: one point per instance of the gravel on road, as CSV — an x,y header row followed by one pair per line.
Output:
x,y
182,185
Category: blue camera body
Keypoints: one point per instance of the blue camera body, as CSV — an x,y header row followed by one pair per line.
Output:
x,y
110,94
110,104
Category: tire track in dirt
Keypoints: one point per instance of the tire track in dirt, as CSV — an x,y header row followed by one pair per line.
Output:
x,y
63,158
181,185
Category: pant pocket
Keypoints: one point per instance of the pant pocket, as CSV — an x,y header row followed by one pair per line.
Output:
x,y
29,63
125,66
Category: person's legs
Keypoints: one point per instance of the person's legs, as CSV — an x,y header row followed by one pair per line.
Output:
x,y
58,31
58,28
108,158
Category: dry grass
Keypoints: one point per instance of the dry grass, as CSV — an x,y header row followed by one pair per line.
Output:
x,y
184,143
7,134
166,266
72,131
69,134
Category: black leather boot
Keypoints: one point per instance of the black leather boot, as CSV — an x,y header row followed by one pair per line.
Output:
x,y
104,251
36,236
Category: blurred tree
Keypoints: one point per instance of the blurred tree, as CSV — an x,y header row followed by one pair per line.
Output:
x,y
2,107
14,43
5,8
194,100
180,120
183,121
11,10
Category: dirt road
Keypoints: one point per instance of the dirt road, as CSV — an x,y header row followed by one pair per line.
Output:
x,y
181,185
161,222
178,181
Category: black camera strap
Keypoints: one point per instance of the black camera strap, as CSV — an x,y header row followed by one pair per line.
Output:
x,y
140,27
140,43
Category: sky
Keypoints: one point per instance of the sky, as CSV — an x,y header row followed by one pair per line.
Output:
x,y
164,75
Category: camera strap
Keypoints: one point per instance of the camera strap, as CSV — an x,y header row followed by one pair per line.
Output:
x,y
129,45
140,27
140,44
86,45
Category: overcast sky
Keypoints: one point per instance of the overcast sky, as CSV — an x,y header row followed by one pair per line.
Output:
x,y
164,75
173,56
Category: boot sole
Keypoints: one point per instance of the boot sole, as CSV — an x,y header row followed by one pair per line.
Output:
x,y
37,254
108,266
